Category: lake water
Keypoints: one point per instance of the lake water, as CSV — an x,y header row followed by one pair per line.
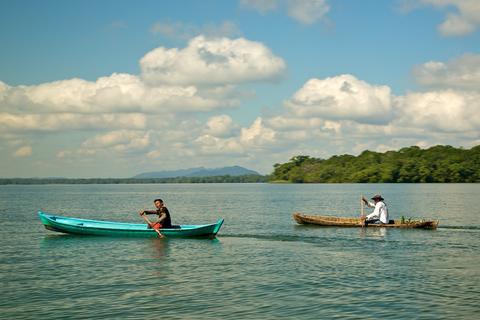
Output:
x,y
261,265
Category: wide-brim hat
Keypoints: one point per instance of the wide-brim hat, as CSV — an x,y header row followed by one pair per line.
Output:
x,y
377,196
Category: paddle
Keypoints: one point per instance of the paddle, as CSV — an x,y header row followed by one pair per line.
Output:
x,y
362,215
151,224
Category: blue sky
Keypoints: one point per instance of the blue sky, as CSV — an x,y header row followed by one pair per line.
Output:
x,y
115,88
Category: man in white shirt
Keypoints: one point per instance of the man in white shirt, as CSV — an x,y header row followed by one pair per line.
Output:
x,y
380,213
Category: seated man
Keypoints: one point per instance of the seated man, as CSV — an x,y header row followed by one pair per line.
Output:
x,y
163,220
380,213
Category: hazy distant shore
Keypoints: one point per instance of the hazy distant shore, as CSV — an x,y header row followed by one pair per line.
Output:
x,y
215,179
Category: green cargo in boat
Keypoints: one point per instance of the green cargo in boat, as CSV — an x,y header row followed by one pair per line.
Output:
x,y
332,221
122,229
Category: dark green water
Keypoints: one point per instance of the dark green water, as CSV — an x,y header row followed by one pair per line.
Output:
x,y
261,266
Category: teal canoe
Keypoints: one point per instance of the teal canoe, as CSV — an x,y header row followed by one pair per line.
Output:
x,y
122,229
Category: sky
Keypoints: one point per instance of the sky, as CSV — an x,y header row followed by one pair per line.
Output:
x,y
114,88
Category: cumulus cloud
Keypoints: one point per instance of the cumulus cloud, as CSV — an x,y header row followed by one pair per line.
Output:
x,y
211,62
290,122
184,31
11,122
211,145
304,11
115,93
23,152
348,106
447,111
220,126
253,138
342,97
339,114
119,141
257,134
199,78
462,18
462,73
157,119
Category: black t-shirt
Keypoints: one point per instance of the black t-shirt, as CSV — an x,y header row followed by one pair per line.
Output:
x,y
167,222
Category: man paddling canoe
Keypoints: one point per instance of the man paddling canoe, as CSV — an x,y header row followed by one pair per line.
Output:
x,y
380,213
163,220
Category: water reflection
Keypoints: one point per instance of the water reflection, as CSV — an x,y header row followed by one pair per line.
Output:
x,y
373,232
159,247
95,244
61,241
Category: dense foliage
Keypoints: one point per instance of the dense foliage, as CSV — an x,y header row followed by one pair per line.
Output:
x,y
215,179
412,164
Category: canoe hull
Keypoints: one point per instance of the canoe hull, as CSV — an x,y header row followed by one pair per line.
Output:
x,y
332,221
120,229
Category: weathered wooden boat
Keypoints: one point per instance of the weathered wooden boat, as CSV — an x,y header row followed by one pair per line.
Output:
x,y
332,221
122,229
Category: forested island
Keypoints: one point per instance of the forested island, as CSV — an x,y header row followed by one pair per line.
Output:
x,y
441,164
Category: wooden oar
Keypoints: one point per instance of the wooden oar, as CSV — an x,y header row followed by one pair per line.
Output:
x,y
362,215
361,206
151,225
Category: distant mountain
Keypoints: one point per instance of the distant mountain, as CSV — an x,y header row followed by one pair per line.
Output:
x,y
198,172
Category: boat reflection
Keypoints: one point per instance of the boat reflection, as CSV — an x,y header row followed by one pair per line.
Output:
x,y
373,232
159,247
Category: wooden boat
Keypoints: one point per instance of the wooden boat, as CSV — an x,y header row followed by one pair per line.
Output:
x,y
333,221
122,229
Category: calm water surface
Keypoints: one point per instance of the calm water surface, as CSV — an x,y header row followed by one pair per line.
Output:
x,y
261,266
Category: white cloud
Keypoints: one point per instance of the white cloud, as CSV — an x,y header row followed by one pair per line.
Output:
x,y
142,121
119,141
291,122
342,97
257,134
328,117
463,73
115,93
456,25
210,145
185,31
306,126
463,20
308,11
23,152
198,78
217,61
251,139
347,107
11,122
445,111
220,126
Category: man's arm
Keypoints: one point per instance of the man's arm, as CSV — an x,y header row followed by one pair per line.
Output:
x,y
162,217
149,212
376,212
368,203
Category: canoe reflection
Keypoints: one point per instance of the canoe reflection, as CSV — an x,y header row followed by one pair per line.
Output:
x,y
159,247
373,232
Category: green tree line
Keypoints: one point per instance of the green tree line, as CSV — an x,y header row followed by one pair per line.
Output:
x,y
444,164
